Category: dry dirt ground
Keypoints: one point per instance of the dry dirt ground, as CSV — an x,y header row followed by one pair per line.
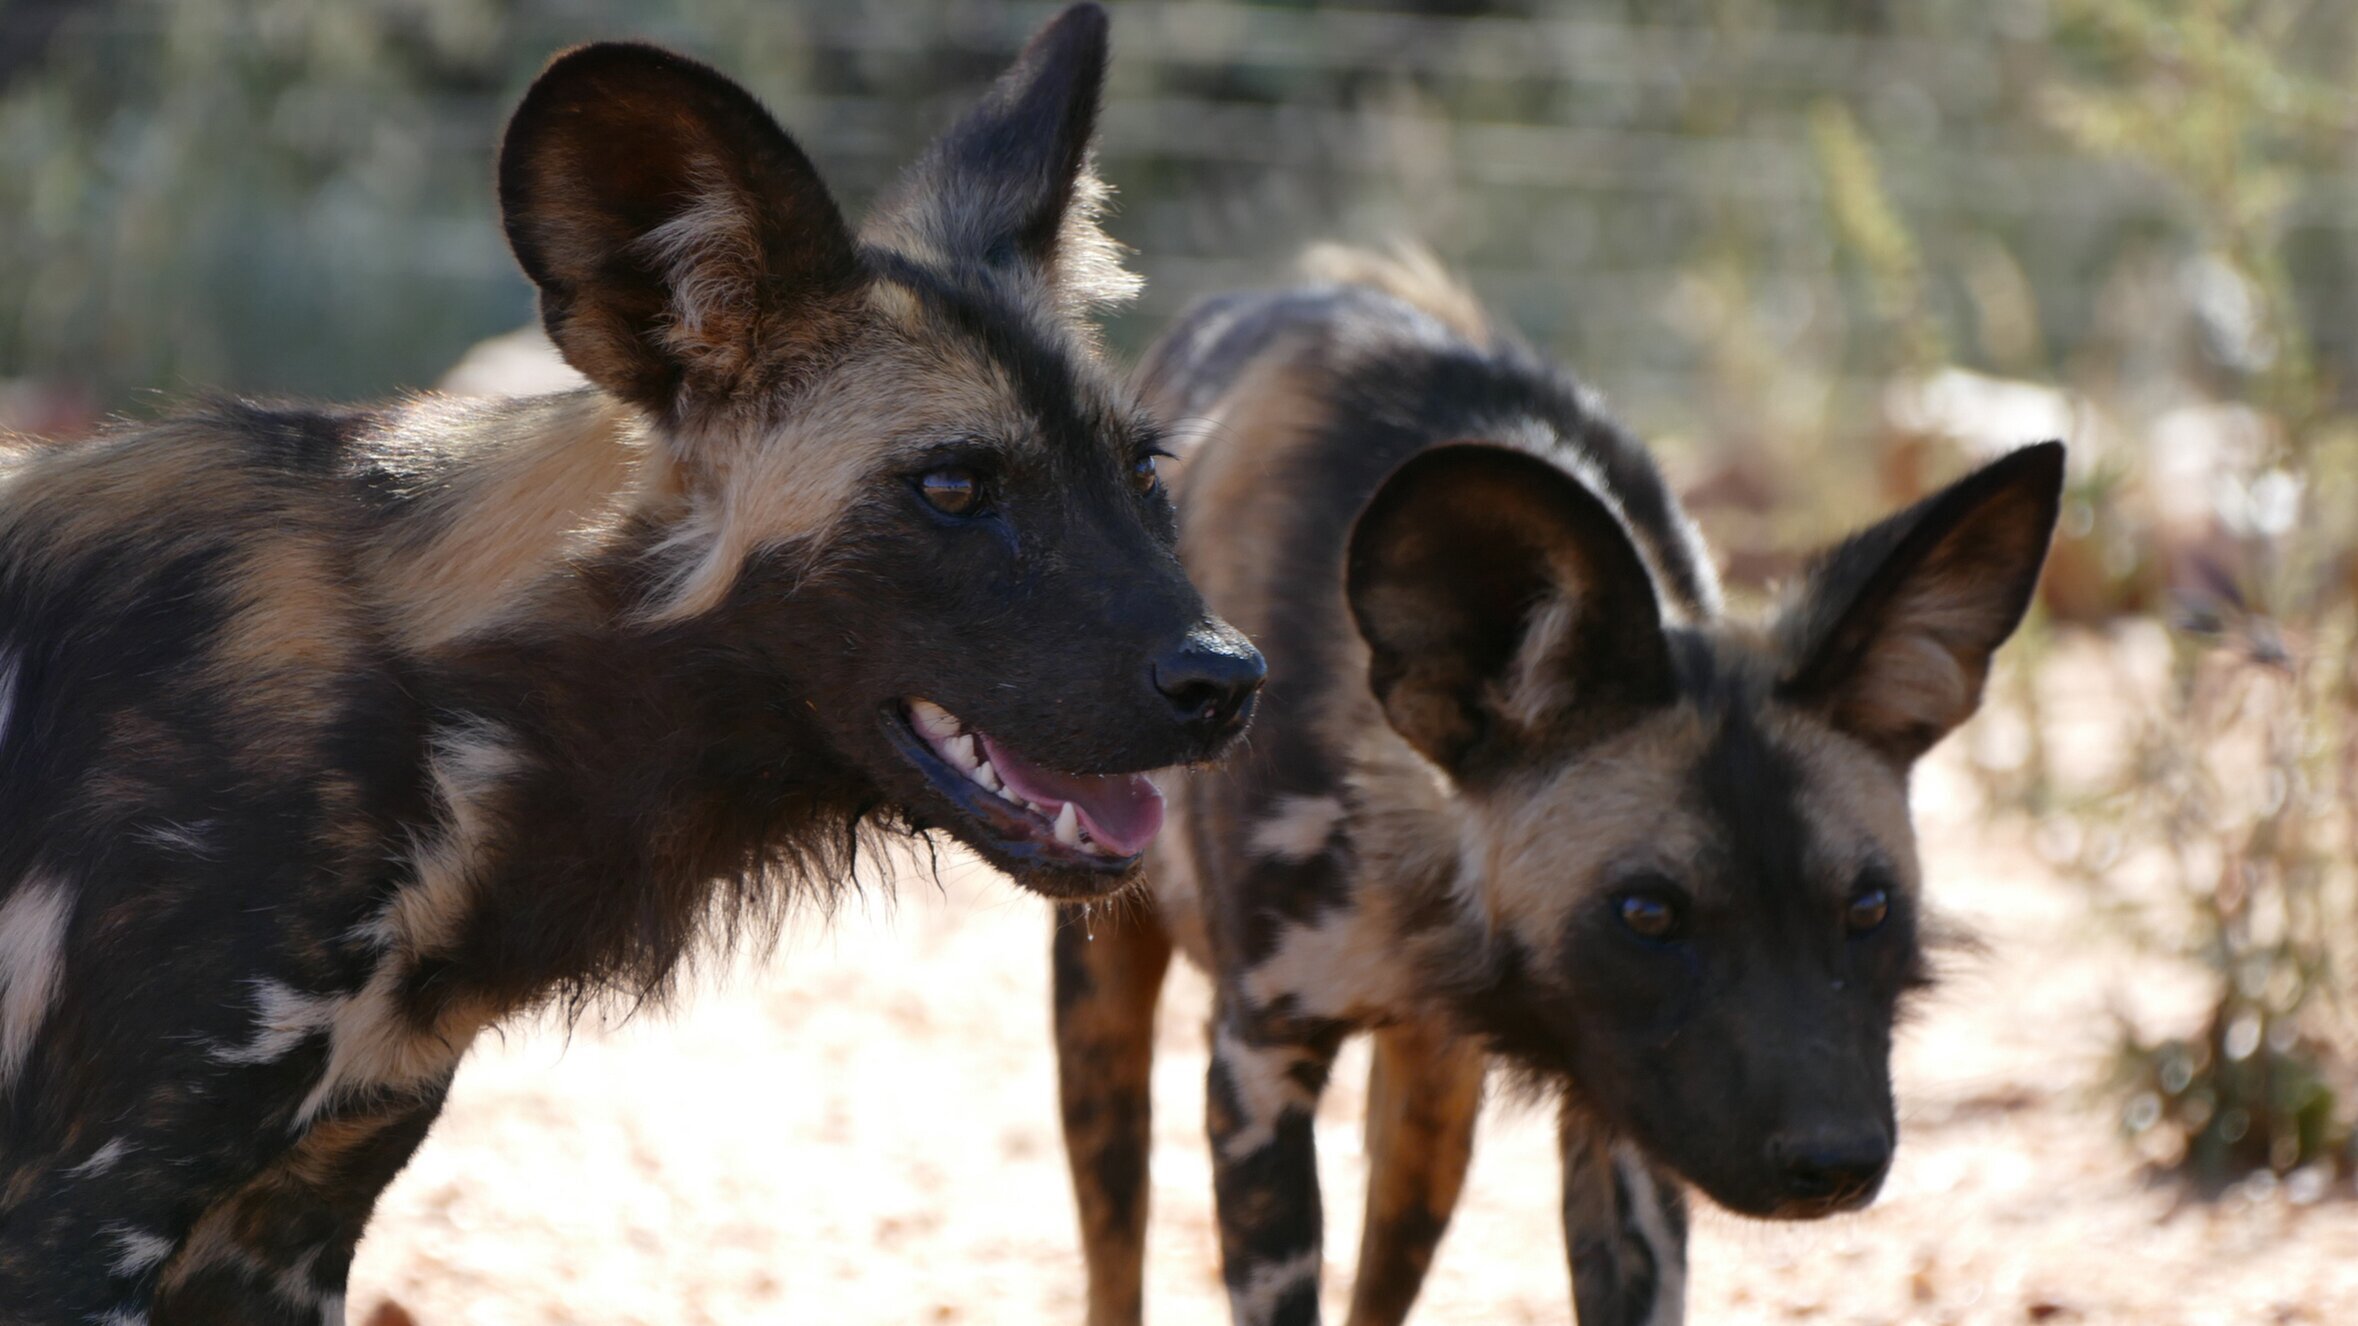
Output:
x,y
861,1129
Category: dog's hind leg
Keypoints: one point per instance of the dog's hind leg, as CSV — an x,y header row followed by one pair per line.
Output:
x,y
1625,1230
1424,1091
1109,966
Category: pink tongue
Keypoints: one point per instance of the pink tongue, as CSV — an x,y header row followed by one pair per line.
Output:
x,y
1120,811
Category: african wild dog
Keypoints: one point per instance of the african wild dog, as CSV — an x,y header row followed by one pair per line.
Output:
x,y
330,737
1518,786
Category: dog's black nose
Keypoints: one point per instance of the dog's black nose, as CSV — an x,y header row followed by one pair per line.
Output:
x,y
1211,679
1827,1170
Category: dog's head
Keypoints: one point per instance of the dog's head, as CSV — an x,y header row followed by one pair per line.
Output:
x,y
1687,846
893,470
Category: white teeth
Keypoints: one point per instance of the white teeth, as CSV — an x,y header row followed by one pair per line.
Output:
x,y
962,753
932,720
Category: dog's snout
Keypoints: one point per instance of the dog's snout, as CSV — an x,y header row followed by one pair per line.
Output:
x,y
1822,1171
1210,680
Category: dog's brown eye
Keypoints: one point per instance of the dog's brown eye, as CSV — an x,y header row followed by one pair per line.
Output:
x,y
951,490
1867,910
1143,476
1648,915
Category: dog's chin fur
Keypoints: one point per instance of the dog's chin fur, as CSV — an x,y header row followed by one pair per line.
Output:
x,y
1066,883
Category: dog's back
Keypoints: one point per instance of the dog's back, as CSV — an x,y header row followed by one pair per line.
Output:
x,y
195,609
189,578
1289,408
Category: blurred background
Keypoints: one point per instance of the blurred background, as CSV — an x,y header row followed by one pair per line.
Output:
x,y
1823,252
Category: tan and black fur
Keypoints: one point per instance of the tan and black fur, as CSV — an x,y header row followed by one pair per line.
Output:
x,y
1520,788
331,737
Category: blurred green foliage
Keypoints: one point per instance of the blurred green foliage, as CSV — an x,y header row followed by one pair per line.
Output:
x,y
1696,202
2239,794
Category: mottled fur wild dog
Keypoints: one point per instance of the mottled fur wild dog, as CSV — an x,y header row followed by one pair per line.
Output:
x,y
1521,788
330,737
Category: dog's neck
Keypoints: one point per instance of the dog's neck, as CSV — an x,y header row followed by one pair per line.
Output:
x,y
499,503
658,774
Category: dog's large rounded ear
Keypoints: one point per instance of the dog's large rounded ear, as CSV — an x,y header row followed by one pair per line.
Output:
x,y
679,238
1011,184
1892,635
1503,603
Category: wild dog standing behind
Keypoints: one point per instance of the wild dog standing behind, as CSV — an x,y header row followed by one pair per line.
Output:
x,y
1518,786
330,737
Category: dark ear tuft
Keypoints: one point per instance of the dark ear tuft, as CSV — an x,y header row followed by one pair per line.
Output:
x,y
1893,634
674,230
1502,602
1010,184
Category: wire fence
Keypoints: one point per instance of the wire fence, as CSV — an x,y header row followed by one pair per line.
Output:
x,y
293,195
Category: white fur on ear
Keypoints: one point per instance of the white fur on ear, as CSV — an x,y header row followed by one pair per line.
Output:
x,y
1895,628
1014,182
1501,598
680,239
1088,276
711,257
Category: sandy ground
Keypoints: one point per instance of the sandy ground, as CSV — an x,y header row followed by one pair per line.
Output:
x,y
862,1129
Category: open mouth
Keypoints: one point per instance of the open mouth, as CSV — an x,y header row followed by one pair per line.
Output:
x,y
1096,821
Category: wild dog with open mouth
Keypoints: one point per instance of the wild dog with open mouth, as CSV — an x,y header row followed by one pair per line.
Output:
x,y
1518,786
330,737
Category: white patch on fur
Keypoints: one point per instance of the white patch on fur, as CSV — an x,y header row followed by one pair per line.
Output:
x,y
121,1317
8,669
1670,1256
1298,829
32,964
331,1310
372,1044
283,1018
101,1160
1265,1091
1341,967
136,1250
471,765
174,836
1269,1286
